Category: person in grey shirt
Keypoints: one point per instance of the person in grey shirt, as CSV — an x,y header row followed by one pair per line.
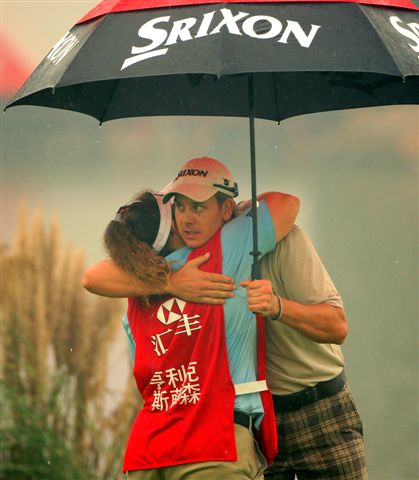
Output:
x,y
319,429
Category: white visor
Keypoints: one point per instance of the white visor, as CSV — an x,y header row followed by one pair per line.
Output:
x,y
165,222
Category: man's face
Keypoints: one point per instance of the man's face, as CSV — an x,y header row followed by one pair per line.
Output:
x,y
198,221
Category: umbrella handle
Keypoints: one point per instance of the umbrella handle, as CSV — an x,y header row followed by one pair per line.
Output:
x,y
256,272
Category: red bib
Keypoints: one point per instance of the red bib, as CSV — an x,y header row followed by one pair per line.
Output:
x,y
181,369
267,435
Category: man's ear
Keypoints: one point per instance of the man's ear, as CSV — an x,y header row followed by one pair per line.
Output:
x,y
228,209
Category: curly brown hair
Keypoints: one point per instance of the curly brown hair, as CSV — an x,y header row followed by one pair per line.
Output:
x,y
128,241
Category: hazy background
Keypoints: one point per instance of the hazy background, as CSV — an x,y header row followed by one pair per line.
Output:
x,y
356,173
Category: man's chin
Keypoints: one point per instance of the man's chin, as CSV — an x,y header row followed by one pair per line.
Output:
x,y
193,242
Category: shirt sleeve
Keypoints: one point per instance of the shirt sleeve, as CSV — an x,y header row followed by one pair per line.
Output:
x,y
130,338
299,272
237,238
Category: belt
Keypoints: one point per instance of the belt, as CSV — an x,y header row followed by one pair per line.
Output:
x,y
242,419
310,395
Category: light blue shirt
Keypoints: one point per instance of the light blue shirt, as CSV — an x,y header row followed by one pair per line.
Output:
x,y
240,323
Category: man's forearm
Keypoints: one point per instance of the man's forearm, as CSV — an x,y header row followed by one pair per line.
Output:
x,y
189,283
321,323
107,279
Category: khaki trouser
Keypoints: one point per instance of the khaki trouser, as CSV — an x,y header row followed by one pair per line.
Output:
x,y
249,466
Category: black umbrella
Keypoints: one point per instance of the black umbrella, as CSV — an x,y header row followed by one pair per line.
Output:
x,y
270,60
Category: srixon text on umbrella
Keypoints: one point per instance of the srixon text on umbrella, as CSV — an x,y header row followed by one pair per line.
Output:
x,y
160,31
163,32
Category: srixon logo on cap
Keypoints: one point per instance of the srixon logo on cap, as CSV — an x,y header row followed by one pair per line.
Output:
x,y
193,172
161,32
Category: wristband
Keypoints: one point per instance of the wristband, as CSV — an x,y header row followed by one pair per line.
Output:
x,y
281,309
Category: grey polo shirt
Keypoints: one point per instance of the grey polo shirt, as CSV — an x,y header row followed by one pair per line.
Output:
x,y
297,273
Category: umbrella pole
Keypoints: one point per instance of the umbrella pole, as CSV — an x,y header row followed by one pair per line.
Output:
x,y
256,273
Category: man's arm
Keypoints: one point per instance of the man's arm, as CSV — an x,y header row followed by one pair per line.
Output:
x,y
107,279
189,283
284,209
321,323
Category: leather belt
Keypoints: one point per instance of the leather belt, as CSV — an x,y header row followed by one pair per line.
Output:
x,y
242,419
310,395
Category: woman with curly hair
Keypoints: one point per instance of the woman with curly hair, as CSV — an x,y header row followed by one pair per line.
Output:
x,y
141,235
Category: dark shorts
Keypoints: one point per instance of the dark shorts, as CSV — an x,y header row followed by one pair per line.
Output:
x,y
320,441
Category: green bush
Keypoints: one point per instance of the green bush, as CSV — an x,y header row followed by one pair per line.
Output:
x,y
31,449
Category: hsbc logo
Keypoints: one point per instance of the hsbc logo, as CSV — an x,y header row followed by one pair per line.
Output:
x,y
161,32
171,311
171,314
408,30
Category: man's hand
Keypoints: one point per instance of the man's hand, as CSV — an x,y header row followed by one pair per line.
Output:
x,y
261,298
319,322
193,285
242,206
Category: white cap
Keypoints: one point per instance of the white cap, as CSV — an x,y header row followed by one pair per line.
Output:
x,y
200,179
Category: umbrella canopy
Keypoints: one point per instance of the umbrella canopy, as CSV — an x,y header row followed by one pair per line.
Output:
x,y
129,58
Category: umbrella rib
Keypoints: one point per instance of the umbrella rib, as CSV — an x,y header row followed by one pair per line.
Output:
x,y
108,103
77,54
392,57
